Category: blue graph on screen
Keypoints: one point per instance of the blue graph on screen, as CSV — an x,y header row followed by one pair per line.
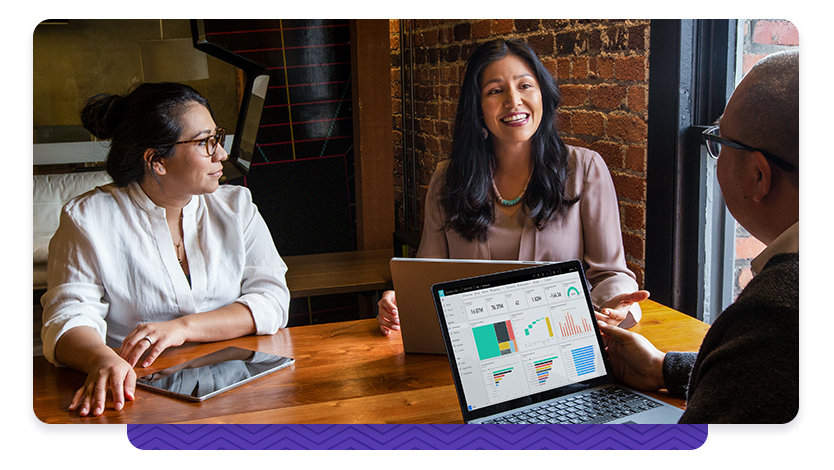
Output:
x,y
583,360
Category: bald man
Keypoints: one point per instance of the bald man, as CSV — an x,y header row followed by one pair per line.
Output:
x,y
747,369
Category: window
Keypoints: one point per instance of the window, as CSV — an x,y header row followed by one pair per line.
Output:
x,y
697,258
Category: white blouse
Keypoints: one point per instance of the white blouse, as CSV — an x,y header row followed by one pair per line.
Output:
x,y
112,264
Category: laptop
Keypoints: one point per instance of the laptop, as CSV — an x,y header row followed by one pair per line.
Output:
x,y
524,347
413,278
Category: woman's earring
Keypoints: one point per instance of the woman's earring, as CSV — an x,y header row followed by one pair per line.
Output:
x,y
484,133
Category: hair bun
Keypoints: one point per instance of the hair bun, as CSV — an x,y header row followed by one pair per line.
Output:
x,y
102,114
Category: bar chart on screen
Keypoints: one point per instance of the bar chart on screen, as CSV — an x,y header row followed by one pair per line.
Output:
x,y
570,324
583,360
504,378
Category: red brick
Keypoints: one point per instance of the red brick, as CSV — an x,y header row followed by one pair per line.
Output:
x,y
542,44
748,247
626,127
445,147
563,122
574,95
634,245
481,29
422,24
635,158
429,38
633,216
583,122
631,68
749,60
580,69
775,32
610,152
607,96
638,271
637,37
552,66
429,109
636,99
605,68
629,186
448,110
502,26
563,68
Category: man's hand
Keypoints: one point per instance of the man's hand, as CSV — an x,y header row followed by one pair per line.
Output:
x,y
634,359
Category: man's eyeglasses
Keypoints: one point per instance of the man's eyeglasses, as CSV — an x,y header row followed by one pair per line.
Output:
x,y
714,143
210,142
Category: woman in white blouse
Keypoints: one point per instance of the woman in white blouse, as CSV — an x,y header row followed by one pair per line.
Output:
x,y
162,256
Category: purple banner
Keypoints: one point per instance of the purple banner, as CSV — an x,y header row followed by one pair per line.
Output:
x,y
416,436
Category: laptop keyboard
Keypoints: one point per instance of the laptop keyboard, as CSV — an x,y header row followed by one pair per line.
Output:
x,y
595,406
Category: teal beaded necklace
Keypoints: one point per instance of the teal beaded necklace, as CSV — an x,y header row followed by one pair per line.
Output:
x,y
509,202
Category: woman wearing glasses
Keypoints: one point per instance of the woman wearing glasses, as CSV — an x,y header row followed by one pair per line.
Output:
x,y
163,255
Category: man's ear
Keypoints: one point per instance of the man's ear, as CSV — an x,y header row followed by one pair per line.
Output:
x,y
762,185
153,162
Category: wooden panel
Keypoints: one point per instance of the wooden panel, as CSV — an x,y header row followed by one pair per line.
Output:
x,y
373,134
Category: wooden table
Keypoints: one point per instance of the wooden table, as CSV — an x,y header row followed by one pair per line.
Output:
x,y
344,373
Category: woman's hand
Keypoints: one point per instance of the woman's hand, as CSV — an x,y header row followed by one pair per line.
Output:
x,y
111,373
388,316
615,310
634,359
152,338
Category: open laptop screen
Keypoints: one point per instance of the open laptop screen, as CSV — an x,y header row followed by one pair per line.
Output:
x,y
520,337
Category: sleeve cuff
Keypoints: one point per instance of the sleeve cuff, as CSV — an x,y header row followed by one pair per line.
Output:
x,y
268,317
635,313
677,367
52,331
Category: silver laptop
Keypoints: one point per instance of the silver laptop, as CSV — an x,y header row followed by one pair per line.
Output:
x,y
413,278
524,347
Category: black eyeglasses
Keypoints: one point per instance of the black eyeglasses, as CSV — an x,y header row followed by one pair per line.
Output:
x,y
210,142
714,143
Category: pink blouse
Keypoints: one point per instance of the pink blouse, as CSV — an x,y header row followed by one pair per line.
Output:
x,y
589,231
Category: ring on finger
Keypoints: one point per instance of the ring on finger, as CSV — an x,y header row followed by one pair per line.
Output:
x,y
149,340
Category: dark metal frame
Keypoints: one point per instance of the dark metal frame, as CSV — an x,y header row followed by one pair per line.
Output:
x,y
234,167
692,65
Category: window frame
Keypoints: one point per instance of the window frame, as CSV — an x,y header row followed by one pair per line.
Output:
x,y
689,234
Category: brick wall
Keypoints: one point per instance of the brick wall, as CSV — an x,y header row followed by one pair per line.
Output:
x,y
601,67
760,38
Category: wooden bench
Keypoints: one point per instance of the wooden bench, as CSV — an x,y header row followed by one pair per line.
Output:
x,y
338,273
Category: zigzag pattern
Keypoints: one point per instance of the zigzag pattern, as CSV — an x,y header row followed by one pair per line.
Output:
x,y
416,437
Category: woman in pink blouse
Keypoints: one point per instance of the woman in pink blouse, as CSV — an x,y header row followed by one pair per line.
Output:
x,y
512,190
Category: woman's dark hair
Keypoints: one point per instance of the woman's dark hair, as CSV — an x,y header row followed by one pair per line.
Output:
x,y
467,195
148,117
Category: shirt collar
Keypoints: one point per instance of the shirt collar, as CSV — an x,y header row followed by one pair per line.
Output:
x,y
786,242
137,194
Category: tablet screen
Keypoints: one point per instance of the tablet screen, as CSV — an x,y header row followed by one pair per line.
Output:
x,y
209,375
